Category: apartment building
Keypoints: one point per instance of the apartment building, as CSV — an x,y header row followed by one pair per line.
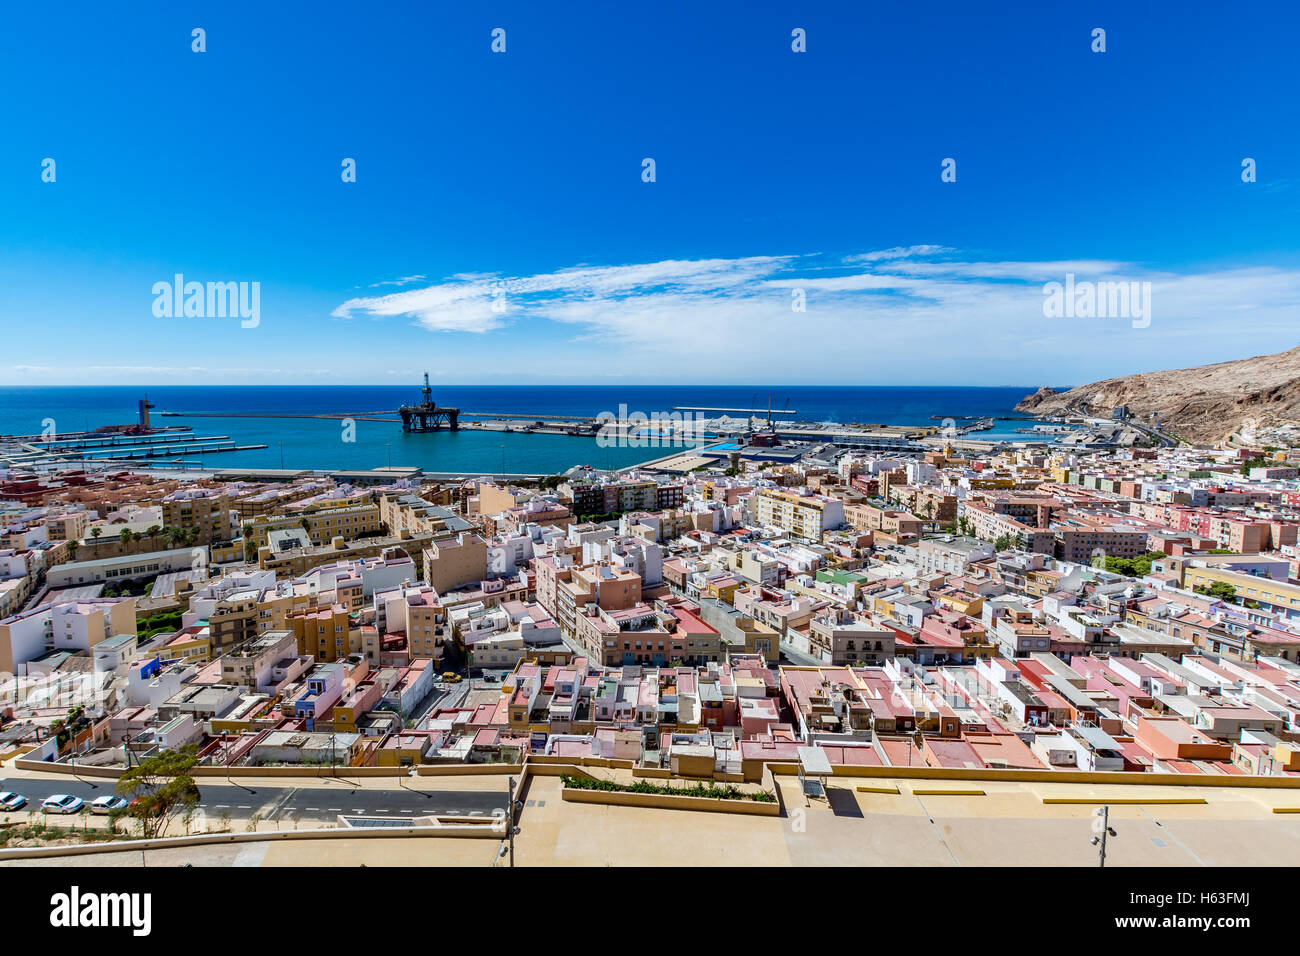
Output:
x,y
207,512
321,524
805,516
452,562
68,626
842,637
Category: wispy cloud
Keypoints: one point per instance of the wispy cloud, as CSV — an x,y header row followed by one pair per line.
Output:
x,y
923,305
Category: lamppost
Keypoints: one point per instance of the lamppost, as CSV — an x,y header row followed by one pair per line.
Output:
x,y
1102,824
510,821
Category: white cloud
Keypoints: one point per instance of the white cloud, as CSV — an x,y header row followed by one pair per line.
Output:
x,y
894,315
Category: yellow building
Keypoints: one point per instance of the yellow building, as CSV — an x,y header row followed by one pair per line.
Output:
x,y
803,516
188,645
205,511
1267,593
324,632
963,602
321,524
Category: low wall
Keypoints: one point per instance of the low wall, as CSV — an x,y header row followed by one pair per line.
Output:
x,y
478,831
543,764
1052,776
558,770
557,760
423,770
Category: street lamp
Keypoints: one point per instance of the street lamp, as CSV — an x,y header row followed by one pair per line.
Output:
x,y
510,821
1102,825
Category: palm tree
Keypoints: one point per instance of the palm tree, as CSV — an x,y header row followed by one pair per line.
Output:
x,y
96,531
125,537
153,532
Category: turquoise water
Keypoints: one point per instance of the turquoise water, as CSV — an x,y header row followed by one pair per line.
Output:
x,y
319,443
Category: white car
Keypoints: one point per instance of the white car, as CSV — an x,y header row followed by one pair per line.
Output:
x,y
107,804
62,803
12,801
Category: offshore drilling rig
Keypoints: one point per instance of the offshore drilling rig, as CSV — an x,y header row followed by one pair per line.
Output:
x,y
427,416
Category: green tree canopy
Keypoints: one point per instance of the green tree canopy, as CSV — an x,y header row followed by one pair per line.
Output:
x,y
161,787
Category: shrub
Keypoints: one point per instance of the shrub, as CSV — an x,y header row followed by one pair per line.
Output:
x,y
724,792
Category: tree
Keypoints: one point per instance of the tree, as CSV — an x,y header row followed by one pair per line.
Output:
x,y
1219,589
125,536
161,787
96,531
1133,567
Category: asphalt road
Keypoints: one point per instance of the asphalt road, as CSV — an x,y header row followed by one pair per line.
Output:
x,y
289,803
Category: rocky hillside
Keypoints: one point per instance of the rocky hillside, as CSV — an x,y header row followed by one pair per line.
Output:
x,y
1204,404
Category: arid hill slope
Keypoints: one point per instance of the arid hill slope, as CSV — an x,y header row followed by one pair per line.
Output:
x,y
1204,404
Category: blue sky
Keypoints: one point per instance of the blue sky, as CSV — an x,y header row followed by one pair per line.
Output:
x,y
518,175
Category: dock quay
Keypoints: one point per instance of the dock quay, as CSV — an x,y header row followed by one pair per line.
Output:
x,y
105,447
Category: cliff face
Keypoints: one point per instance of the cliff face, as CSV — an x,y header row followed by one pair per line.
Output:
x,y
1204,404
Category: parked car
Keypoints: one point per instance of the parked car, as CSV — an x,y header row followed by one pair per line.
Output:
x,y
108,804
62,803
12,801
451,678
139,803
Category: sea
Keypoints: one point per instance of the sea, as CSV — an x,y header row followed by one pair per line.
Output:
x,y
323,443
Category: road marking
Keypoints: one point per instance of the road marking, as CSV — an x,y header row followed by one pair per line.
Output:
x,y
1122,801
937,831
1180,843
